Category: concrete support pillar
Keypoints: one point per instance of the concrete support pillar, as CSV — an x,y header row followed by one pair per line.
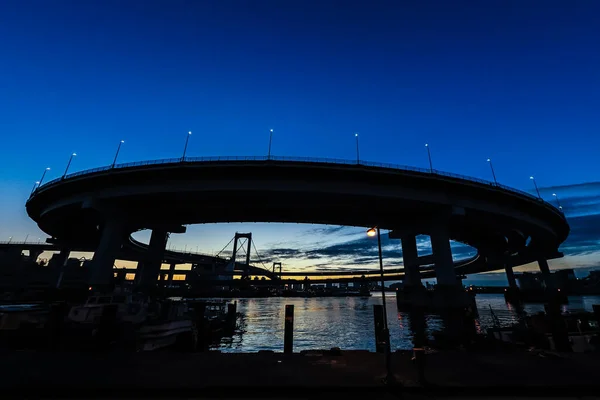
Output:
x,y
442,254
60,263
58,260
545,269
150,268
510,275
172,271
412,276
103,261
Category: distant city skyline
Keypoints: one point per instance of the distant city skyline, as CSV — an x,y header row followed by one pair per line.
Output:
x,y
474,80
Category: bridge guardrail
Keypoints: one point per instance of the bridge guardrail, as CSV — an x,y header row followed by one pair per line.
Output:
x,y
297,159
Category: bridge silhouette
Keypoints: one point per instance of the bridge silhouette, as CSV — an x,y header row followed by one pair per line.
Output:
x,y
99,208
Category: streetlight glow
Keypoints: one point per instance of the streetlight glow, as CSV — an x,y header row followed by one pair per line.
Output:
x,y
372,232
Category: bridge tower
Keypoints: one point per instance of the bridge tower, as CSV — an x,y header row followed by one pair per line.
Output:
x,y
275,265
239,245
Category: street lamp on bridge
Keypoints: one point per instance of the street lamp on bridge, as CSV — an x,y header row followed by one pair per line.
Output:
x,y
429,156
557,201
357,154
492,168
386,332
536,186
43,175
187,139
69,164
117,154
270,140
35,185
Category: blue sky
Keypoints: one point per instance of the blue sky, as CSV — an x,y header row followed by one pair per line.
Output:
x,y
511,80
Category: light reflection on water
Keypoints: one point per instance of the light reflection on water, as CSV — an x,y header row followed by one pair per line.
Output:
x,y
347,322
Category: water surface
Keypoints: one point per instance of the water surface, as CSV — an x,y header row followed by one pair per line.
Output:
x,y
347,322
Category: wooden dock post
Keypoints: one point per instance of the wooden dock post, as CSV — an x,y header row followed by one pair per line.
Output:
x,y
288,335
231,315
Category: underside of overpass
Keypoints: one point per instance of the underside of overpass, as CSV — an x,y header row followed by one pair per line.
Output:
x,y
100,209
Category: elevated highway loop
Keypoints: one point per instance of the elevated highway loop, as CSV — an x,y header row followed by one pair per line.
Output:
x,y
102,207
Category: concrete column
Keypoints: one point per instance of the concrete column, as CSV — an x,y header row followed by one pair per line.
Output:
x,y
442,254
150,268
545,269
412,276
60,263
138,273
103,261
510,275
58,260
172,271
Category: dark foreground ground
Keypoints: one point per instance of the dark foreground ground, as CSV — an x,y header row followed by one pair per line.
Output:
x,y
354,374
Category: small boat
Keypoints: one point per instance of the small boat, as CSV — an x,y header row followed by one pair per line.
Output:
x,y
145,324
130,307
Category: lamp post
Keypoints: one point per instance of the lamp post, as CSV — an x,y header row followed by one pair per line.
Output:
x,y
43,175
429,156
386,333
117,154
357,153
69,164
187,139
35,185
492,168
270,140
9,239
536,187
26,237
557,201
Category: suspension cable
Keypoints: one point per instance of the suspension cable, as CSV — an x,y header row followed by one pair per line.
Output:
x,y
217,255
258,255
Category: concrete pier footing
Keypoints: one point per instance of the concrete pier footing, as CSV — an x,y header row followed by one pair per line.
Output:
x,y
149,269
113,234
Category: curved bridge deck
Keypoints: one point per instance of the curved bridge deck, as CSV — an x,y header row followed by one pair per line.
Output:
x,y
506,226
